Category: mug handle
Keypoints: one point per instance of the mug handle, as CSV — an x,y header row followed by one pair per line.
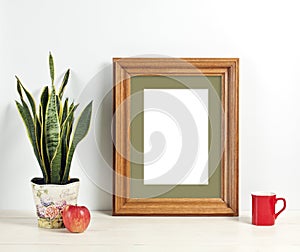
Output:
x,y
284,206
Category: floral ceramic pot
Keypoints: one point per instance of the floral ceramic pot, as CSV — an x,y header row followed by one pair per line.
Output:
x,y
50,200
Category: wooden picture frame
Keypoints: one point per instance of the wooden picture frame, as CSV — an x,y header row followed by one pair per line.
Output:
x,y
227,69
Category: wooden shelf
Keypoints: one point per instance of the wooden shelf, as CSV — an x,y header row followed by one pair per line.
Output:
x,y
19,232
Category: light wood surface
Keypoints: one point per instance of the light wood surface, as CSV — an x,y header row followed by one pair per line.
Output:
x,y
228,69
19,232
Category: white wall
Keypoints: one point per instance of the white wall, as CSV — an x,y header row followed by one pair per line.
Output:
x,y
85,35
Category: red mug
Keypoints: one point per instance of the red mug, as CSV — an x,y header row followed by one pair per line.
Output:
x,y
263,208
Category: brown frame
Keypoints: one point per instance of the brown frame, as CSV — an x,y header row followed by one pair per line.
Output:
x,y
228,69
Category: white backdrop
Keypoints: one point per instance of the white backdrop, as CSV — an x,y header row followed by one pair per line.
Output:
x,y
85,35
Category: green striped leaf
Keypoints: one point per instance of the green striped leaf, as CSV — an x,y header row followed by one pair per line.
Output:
x,y
40,113
70,125
44,99
64,84
28,95
65,111
43,103
59,108
64,150
19,90
38,137
37,133
59,160
80,131
56,164
43,106
30,129
43,149
52,127
51,67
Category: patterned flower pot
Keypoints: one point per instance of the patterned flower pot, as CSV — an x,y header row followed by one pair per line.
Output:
x,y
50,200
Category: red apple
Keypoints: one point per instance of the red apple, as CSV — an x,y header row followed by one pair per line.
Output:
x,y
76,218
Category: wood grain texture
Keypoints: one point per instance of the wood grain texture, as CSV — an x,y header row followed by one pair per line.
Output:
x,y
19,232
228,69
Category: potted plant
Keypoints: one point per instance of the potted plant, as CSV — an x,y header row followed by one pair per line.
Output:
x,y
54,137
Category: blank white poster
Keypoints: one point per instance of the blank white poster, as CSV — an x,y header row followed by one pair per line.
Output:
x,y
176,123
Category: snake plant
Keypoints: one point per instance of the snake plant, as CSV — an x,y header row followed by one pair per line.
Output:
x,y
51,129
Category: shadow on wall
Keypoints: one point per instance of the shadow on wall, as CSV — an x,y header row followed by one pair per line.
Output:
x,y
95,152
14,143
15,151
9,134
